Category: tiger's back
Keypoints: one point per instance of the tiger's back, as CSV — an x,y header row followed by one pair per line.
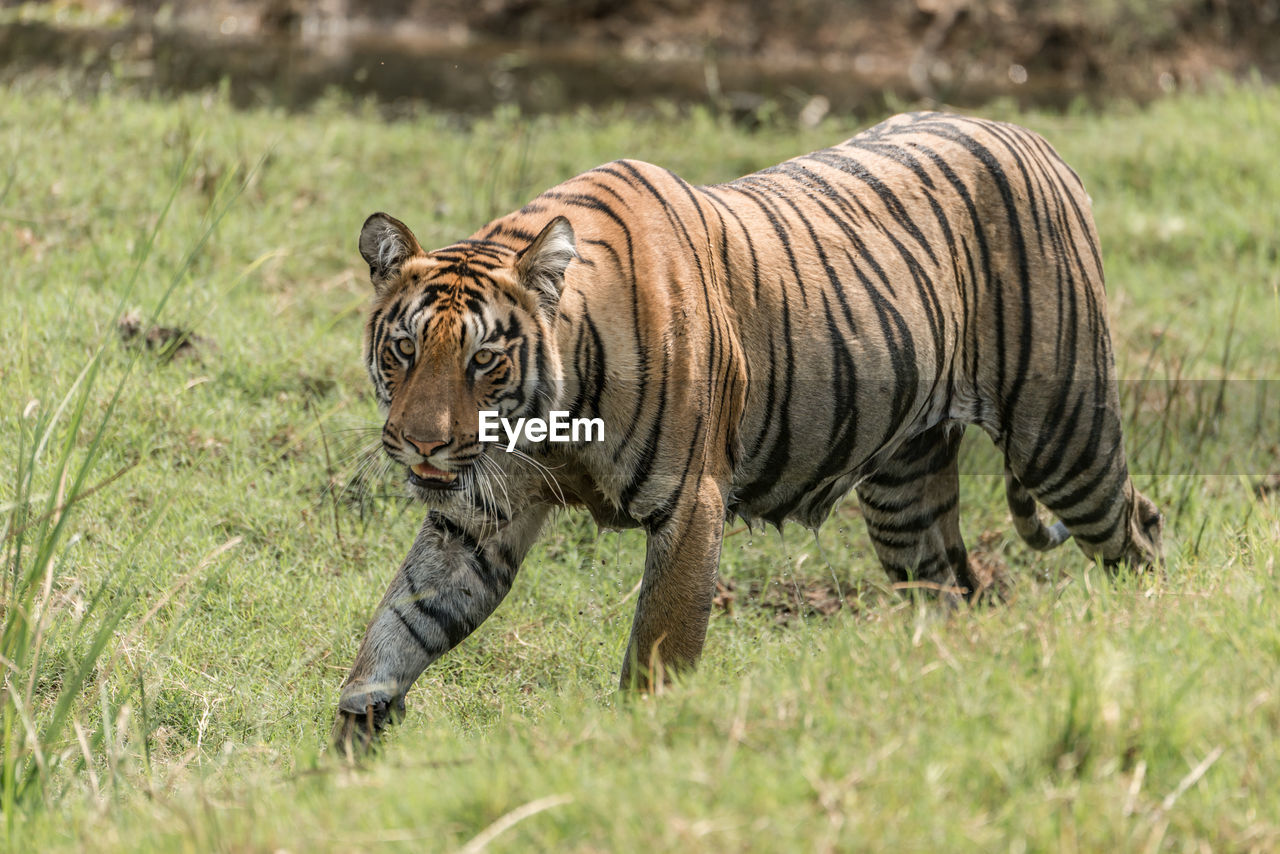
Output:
x,y
800,325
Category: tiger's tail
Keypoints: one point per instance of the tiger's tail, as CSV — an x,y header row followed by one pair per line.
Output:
x,y
1026,518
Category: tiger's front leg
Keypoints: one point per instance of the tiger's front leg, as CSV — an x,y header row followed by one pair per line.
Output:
x,y
677,590
449,583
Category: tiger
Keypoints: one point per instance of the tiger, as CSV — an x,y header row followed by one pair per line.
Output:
x,y
755,349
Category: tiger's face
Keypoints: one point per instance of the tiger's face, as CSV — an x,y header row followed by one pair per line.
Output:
x,y
453,333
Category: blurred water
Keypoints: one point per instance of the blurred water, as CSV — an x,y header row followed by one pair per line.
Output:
x,y
403,73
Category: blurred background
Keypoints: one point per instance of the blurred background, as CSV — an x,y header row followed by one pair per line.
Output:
x,y
751,58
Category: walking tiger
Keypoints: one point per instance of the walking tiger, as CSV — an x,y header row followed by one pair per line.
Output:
x,y
757,348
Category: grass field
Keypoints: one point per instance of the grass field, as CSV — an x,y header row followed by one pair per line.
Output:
x,y
175,637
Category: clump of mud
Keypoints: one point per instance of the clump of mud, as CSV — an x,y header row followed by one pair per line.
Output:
x,y
166,342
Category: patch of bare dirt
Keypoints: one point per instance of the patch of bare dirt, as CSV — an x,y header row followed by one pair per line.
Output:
x,y
166,342
1268,487
787,601
804,598
989,566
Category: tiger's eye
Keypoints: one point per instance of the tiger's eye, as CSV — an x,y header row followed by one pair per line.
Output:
x,y
405,347
483,357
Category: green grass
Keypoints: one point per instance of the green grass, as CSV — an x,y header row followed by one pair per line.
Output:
x,y
1087,713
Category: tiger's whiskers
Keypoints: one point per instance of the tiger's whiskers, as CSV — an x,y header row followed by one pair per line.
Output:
x,y
547,475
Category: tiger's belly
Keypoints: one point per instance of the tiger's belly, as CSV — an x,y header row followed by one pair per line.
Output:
x,y
825,415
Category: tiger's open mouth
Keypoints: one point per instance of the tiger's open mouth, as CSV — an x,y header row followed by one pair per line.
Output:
x,y
428,476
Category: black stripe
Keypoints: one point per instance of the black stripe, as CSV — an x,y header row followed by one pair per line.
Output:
x,y
915,523
455,627
429,649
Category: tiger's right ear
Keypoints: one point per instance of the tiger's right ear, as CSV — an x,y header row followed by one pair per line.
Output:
x,y
385,244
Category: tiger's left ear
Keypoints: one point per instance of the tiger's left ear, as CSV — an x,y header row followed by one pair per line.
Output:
x,y
540,266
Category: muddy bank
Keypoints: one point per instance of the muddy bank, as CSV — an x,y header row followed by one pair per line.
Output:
x,y
801,58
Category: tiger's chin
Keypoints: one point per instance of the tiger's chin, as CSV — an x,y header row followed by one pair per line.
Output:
x,y
464,498
434,487
436,494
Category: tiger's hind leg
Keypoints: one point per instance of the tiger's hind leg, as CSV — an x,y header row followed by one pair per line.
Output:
x,y
1074,464
911,507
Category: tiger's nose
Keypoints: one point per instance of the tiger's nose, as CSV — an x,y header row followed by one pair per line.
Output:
x,y
425,448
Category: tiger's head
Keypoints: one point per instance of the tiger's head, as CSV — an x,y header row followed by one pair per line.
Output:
x,y
454,332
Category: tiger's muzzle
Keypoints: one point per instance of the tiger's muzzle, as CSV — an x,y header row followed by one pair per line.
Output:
x,y
428,463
